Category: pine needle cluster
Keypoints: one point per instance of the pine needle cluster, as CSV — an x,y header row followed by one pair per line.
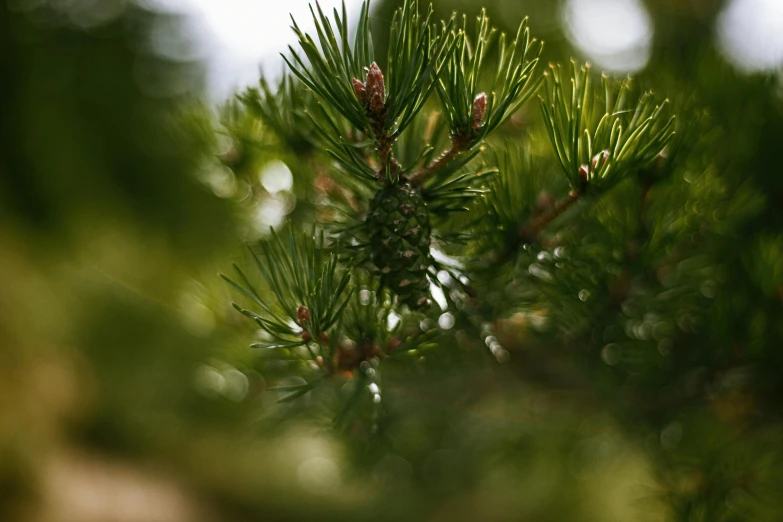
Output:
x,y
417,201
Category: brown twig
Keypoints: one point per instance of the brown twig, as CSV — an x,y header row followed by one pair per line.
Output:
x,y
458,144
531,229
459,140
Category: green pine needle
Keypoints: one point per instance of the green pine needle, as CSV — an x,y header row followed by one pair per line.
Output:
x,y
299,273
608,141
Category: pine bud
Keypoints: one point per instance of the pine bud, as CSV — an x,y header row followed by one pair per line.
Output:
x,y
361,91
584,173
303,315
601,157
479,108
376,90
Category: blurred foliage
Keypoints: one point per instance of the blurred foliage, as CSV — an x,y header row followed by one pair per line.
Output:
x,y
624,365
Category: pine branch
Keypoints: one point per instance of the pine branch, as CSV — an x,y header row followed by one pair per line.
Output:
x,y
307,288
458,144
471,112
529,231
604,144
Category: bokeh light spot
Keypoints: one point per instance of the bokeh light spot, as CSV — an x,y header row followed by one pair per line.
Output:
x,y
276,177
615,34
750,34
319,475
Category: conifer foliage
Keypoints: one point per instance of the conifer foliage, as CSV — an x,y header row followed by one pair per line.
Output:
x,y
493,288
392,203
472,208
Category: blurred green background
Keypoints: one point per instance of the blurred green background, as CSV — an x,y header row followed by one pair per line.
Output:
x,y
128,393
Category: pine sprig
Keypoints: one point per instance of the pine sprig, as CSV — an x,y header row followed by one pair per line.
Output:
x,y
518,192
417,52
514,82
333,63
472,115
310,290
282,108
331,136
453,188
600,144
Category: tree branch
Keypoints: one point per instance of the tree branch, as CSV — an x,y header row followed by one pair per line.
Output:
x,y
532,228
458,144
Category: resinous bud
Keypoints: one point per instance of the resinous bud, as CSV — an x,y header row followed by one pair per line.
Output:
x,y
361,91
303,315
479,109
376,90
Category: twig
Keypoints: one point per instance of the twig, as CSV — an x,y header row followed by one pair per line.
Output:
x,y
384,143
458,144
530,230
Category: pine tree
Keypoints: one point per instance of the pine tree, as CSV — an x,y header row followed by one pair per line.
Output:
x,y
595,333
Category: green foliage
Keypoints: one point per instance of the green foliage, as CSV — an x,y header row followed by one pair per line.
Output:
x,y
607,341
350,155
521,189
512,202
454,188
589,248
299,273
333,66
282,108
609,140
416,54
463,77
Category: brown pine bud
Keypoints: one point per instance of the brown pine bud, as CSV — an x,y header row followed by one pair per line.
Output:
x,y
303,315
376,90
324,338
479,108
602,158
361,91
305,336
